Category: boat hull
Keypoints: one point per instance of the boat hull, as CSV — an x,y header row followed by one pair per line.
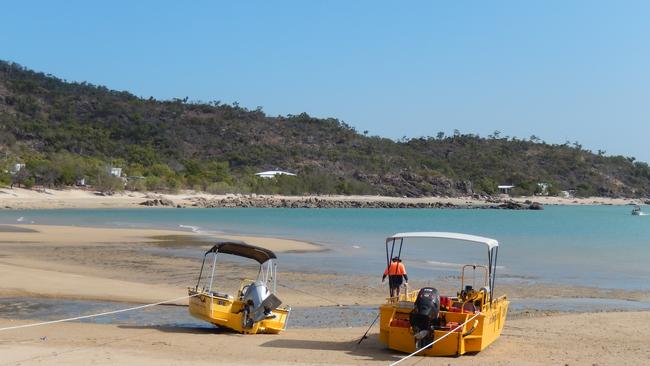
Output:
x,y
478,334
226,312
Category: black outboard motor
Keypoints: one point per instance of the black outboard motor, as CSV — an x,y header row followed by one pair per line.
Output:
x,y
425,316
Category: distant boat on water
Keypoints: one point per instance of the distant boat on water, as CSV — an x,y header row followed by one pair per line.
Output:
x,y
636,211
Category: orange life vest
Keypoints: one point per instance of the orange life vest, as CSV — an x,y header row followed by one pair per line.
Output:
x,y
395,269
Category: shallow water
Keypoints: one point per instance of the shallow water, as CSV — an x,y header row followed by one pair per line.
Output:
x,y
602,246
579,304
307,317
169,316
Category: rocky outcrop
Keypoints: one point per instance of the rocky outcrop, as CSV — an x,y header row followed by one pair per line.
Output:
x,y
309,202
254,201
158,202
512,205
411,184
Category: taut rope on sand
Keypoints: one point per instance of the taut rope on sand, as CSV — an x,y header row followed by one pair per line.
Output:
x,y
96,315
434,342
310,294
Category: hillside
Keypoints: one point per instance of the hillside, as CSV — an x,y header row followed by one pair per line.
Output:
x,y
65,131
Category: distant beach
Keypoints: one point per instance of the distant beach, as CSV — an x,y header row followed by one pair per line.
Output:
x,y
18,198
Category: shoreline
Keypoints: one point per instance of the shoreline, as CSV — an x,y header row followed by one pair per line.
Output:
x,y
138,265
62,263
24,199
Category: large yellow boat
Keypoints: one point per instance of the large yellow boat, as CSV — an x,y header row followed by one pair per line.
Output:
x,y
255,308
436,325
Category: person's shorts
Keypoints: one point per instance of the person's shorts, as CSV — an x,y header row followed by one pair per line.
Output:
x,y
395,281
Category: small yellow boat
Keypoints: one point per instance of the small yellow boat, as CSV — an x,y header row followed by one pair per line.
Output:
x,y
255,308
436,325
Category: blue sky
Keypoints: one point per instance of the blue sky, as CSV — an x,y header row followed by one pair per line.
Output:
x,y
561,70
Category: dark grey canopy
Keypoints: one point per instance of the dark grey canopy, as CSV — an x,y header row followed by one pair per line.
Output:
x,y
243,250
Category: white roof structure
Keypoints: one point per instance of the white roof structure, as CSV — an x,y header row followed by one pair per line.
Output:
x,y
272,173
491,243
505,186
115,171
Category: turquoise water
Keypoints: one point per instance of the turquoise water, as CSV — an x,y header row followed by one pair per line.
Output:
x,y
601,246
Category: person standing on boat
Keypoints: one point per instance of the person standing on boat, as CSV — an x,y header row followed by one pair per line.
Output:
x,y
396,275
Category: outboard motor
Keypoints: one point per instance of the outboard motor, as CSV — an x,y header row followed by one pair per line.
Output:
x,y
424,316
259,302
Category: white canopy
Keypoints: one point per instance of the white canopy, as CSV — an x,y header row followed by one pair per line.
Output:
x,y
491,243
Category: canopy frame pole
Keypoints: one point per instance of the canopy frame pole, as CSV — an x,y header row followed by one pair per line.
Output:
x,y
388,259
275,271
198,282
494,271
399,254
490,273
214,265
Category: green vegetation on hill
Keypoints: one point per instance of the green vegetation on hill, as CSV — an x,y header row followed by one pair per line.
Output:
x,y
66,131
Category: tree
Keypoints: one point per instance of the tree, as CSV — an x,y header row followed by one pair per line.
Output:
x,y
107,184
22,177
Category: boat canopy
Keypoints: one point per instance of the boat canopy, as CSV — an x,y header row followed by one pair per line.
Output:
x,y
491,243
242,249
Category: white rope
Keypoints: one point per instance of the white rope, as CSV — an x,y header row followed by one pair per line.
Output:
x,y
96,315
437,340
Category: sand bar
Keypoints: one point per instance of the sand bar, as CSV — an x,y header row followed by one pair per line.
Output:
x,y
75,235
104,263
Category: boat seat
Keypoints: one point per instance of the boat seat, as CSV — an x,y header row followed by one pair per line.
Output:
x,y
469,307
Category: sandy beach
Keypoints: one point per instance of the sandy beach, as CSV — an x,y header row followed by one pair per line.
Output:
x,y
18,198
580,339
60,262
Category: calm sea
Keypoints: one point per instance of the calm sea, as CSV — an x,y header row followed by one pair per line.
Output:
x,y
603,246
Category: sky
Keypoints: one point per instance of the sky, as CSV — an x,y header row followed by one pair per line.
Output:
x,y
559,70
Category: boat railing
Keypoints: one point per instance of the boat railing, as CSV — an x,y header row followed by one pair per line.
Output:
x,y
406,296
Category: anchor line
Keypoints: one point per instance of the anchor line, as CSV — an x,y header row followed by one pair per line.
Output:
x,y
310,294
435,341
96,315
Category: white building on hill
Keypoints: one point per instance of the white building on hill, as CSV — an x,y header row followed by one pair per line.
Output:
x,y
116,172
505,189
17,167
272,174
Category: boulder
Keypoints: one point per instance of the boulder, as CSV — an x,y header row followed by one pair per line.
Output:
x,y
511,205
160,202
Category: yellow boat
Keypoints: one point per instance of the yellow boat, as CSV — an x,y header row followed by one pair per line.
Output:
x,y
255,308
436,325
